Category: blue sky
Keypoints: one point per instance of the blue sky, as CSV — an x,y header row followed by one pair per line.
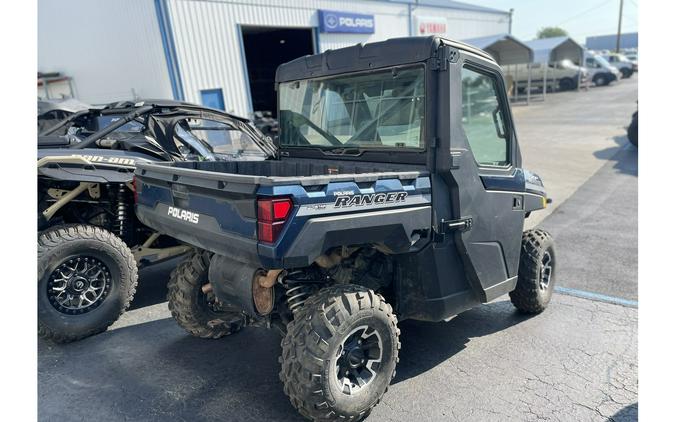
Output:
x,y
580,18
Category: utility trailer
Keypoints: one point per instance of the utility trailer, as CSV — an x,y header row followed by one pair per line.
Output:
x,y
398,193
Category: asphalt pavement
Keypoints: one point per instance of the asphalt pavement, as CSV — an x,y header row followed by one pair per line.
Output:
x,y
575,361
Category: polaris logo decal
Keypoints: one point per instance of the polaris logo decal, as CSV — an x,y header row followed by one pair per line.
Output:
x,y
361,200
189,216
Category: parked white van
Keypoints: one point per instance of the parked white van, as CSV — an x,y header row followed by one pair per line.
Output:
x,y
621,62
600,71
563,75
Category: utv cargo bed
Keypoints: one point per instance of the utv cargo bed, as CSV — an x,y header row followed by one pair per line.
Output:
x,y
212,205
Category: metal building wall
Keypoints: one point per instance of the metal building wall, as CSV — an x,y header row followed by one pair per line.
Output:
x,y
208,40
465,24
111,49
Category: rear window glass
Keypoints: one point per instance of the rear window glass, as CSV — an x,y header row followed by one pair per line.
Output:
x,y
383,109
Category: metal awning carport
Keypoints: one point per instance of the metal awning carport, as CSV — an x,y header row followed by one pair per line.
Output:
x,y
506,50
556,49
548,50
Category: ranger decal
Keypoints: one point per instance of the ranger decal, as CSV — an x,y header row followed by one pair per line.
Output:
x,y
189,216
360,200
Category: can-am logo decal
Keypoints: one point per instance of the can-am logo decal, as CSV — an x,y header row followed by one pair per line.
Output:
x,y
361,200
107,160
189,216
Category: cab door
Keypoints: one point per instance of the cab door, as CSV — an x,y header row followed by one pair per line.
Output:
x,y
488,193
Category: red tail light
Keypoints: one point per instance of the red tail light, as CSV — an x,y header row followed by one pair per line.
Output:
x,y
272,214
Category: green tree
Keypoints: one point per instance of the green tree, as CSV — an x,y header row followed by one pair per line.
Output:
x,y
550,32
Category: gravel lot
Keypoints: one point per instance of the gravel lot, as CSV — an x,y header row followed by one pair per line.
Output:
x,y
576,361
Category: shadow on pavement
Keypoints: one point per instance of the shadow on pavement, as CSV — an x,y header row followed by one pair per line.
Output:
x,y
152,281
155,371
424,345
624,155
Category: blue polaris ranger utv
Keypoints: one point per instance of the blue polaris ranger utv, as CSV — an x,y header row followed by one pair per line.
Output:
x,y
396,192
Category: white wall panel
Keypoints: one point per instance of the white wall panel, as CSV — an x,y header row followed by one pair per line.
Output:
x,y
465,24
111,49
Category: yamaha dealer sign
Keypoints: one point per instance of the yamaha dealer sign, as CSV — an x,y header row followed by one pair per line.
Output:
x,y
331,21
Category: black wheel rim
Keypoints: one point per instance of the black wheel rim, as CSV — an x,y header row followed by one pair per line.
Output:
x,y
546,271
79,285
358,359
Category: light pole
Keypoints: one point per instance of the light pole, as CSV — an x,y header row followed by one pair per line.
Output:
x,y
618,33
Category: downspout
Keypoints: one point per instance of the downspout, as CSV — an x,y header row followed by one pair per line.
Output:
x,y
510,20
169,46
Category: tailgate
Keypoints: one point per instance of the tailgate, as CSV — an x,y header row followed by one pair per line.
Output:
x,y
213,211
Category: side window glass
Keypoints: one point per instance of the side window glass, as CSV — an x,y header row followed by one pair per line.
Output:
x,y
483,119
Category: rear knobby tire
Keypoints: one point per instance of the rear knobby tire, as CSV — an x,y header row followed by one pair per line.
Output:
x,y
59,249
194,310
536,272
313,365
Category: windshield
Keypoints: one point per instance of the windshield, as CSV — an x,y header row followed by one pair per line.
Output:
x,y
383,109
211,138
602,62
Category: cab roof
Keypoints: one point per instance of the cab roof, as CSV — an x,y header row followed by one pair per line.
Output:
x,y
392,52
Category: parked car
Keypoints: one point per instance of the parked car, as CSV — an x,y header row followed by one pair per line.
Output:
x,y
90,243
600,71
398,193
633,58
632,130
621,62
563,75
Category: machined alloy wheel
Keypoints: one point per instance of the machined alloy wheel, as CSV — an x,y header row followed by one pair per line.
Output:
x,y
358,358
79,285
546,272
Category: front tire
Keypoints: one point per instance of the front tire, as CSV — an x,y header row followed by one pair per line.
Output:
x,y
197,312
87,278
340,353
601,80
536,272
567,84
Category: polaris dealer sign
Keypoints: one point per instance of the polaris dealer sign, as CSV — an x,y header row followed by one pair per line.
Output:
x,y
331,21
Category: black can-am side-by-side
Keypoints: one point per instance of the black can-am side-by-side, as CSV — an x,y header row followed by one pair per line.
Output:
x,y
90,243
398,194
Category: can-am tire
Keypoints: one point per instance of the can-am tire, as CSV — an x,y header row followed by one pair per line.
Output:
x,y
340,353
536,272
87,278
198,312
